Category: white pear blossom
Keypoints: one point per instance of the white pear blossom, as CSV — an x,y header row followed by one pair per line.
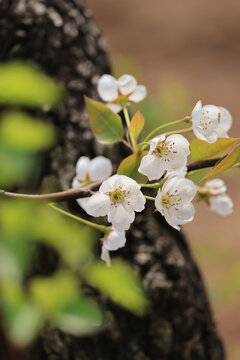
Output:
x,y
114,92
118,198
221,204
173,201
210,122
215,187
165,154
217,198
113,241
87,171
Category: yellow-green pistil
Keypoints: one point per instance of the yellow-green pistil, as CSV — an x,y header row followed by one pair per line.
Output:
x,y
169,200
161,149
117,196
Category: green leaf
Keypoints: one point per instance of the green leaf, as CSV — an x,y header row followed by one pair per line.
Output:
x,y
136,125
232,158
80,317
129,167
25,133
119,283
15,166
106,125
22,319
53,293
201,150
24,84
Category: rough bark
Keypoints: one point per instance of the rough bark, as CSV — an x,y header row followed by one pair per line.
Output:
x,y
61,37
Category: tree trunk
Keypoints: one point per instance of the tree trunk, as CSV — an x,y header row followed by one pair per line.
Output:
x,y
61,37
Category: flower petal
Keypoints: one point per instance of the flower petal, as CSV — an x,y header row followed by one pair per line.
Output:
x,y
221,204
115,240
216,186
75,182
120,218
135,199
127,84
139,94
107,88
83,203
152,167
105,256
225,118
82,167
183,215
100,168
169,219
98,205
197,112
178,142
114,107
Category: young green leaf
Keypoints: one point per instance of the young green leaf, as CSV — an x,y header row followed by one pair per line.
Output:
x,y
22,319
119,283
232,158
106,125
201,150
25,133
80,317
129,167
25,84
136,125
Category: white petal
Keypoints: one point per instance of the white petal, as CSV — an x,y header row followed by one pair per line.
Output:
x,y
139,94
107,88
110,184
181,171
98,205
221,204
169,220
152,167
158,201
115,240
197,112
83,203
75,182
179,186
178,142
221,132
206,123
127,84
105,256
155,141
120,218
216,186
82,167
183,215
135,199
100,168
114,107
225,118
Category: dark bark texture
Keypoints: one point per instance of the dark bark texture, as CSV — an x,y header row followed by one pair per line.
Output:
x,y
61,37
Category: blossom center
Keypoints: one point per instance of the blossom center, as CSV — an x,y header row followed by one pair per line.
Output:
x,y
161,150
117,196
169,200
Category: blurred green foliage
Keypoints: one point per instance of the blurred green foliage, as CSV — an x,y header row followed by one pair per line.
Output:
x,y
26,85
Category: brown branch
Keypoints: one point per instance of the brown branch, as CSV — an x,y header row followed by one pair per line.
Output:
x,y
71,194
78,193
202,164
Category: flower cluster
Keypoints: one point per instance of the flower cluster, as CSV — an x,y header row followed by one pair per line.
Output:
x,y
120,196
121,92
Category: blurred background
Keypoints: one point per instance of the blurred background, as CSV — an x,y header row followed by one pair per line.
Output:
x,y
184,51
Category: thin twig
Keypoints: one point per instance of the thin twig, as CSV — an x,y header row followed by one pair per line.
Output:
x,y
86,191
71,194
